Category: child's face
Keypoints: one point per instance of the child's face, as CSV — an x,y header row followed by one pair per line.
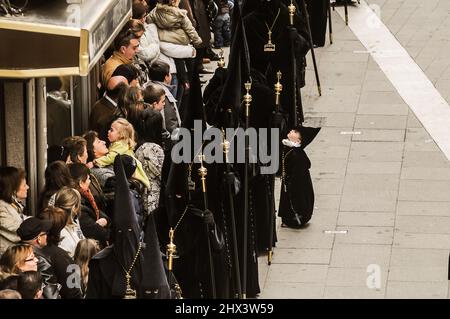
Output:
x,y
158,106
294,136
113,133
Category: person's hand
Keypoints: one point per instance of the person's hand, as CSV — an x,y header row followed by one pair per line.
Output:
x,y
208,217
102,222
90,165
277,119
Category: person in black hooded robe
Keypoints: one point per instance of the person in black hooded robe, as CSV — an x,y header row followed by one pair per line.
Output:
x,y
297,192
317,10
264,115
129,254
288,41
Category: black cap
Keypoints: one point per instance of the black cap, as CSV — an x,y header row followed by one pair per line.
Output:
x,y
32,227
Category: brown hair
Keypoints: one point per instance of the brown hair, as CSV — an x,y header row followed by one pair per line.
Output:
x,y
69,200
79,173
153,93
134,26
73,148
90,137
58,218
86,249
10,179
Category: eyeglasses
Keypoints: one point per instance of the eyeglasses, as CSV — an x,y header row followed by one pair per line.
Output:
x,y
31,259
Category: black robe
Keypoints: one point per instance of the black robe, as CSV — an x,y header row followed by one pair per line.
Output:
x,y
297,192
192,267
262,111
317,10
129,255
269,63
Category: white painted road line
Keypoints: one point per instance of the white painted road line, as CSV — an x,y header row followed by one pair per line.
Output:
x,y
406,76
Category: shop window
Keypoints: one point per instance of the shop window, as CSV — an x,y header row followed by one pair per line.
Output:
x,y
59,117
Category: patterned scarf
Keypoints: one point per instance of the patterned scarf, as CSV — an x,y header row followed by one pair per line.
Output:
x,y
88,195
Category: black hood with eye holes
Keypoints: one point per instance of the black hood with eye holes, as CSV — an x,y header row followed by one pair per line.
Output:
x,y
126,230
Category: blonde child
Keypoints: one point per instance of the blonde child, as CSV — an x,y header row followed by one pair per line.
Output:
x,y
173,23
121,136
86,249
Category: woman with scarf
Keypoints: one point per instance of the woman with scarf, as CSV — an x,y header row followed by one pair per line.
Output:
x,y
94,223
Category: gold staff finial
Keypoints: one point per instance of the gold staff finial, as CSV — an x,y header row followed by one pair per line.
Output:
x,y
247,98
202,171
291,9
225,146
278,88
171,249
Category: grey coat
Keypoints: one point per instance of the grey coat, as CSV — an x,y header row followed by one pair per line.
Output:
x,y
10,220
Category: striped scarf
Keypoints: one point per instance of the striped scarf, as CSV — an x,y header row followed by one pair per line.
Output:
x,y
88,195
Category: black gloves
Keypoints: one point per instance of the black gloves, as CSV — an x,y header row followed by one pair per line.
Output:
x,y
277,119
230,178
208,218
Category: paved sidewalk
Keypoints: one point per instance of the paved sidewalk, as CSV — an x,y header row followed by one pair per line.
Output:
x,y
380,180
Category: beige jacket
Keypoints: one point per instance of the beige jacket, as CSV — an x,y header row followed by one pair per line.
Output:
x,y
173,25
111,64
10,220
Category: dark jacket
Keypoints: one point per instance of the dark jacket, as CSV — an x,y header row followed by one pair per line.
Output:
x,y
97,192
60,261
199,11
103,113
50,282
88,223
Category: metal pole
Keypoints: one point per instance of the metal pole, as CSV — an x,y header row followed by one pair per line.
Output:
x,y
330,28
247,100
41,131
202,171
31,145
278,87
346,12
237,275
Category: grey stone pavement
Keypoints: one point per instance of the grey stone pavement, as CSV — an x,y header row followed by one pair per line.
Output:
x,y
387,184
382,185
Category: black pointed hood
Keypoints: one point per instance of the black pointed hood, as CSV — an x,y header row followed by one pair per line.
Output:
x,y
125,228
308,134
154,279
238,71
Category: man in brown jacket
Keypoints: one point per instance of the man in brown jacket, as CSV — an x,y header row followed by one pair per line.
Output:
x,y
105,110
126,45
